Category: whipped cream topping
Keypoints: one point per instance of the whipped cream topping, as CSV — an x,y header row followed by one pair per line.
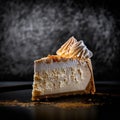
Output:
x,y
74,48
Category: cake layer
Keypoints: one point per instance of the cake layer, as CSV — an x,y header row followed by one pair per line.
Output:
x,y
56,75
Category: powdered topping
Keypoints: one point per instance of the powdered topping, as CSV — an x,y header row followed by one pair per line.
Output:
x,y
74,48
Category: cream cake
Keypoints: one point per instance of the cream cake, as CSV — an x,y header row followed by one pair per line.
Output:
x,y
66,73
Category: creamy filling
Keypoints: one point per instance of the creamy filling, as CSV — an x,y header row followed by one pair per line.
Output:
x,y
38,67
61,77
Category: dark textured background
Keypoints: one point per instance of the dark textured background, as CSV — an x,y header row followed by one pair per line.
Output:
x,y
31,29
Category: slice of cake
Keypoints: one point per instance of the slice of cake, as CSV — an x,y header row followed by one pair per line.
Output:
x,y
69,72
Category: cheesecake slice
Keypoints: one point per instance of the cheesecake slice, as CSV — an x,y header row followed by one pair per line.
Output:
x,y
66,73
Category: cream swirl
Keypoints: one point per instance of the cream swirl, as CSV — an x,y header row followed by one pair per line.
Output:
x,y
74,48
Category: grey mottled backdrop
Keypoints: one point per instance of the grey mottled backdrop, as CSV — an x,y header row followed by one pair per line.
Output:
x,y
33,29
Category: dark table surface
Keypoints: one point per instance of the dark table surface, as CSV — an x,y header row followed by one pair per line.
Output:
x,y
16,104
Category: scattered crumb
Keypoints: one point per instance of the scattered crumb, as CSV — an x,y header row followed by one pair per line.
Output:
x,y
54,104
74,104
17,103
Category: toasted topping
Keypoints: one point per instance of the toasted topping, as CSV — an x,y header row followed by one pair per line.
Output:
x,y
73,48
